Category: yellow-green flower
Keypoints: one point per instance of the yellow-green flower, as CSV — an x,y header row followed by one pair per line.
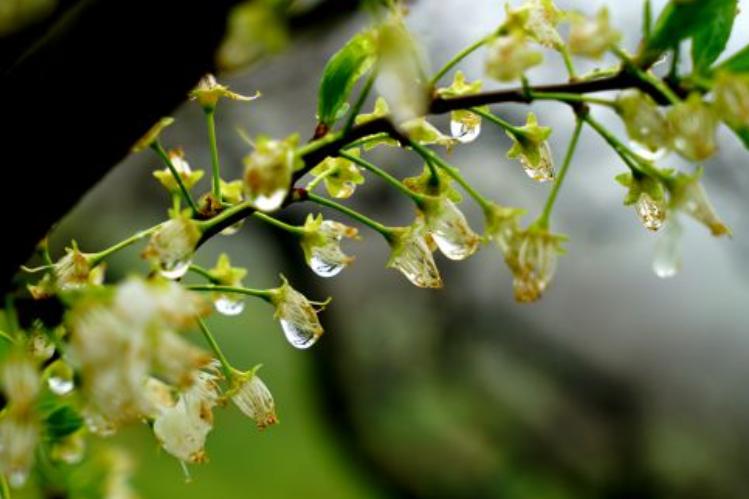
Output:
x,y
644,122
592,37
268,172
530,146
187,175
465,126
209,91
532,258
253,398
321,243
694,125
732,98
152,135
340,175
411,254
297,315
509,57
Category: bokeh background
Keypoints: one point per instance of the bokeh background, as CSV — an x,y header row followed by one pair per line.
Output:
x,y
616,385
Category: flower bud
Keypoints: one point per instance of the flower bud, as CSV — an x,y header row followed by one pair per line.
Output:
x,y
255,400
645,124
732,99
532,149
321,243
694,126
592,37
172,246
502,225
152,135
689,196
411,255
340,175
297,315
189,178
532,258
268,172
209,91
19,436
509,56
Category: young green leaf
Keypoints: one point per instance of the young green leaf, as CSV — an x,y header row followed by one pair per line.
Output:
x,y
737,63
341,74
709,43
681,20
62,421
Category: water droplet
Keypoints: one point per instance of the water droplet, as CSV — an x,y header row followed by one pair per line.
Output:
x,y
228,305
667,261
271,202
232,229
175,269
543,171
646,152
450,231
651,213
60,385
298,337
325,268
463,132
17,478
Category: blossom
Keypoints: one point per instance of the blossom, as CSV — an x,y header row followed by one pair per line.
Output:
x,y
225,275
465,126
411,255
297,315
648,197
321,243
592,37
268,172
72,272
449,228
253,398
341,176
189,178
501,224
182,429
381,110
643,120
209,91
172,246
422,132
532,258
509,56
694,126
536,19
732,98
152,135
530,146
689,196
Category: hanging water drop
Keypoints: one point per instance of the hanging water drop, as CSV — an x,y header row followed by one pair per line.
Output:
x,y
17,478
464,132
325,267
228,305
543,169
651,213
646,152
667,260
174,269
298,336
60,385
270,202
232,229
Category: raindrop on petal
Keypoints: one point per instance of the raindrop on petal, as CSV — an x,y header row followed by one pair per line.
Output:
x,y
297,336
651,213
325,268
60,385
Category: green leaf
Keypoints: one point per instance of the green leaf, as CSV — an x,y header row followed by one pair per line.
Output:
x,y
710,42
737,63
341,74
681,20
743,134
62,421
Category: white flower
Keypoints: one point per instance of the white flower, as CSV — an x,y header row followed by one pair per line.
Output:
x,y
592,37
19,436
297,315
172,246
255,400
411,255
321,243
509,56
449,228
532,258
694,126
645,124
268,172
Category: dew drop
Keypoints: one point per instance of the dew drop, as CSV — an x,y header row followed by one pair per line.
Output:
x,y
651,213
544,170
60,385
232,229
325,268
464,133
227,305
298,337
646,152
271,202
174,269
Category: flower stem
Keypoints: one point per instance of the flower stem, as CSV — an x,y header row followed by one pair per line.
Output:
x,y
278,223
568,64
497,120
208,225
4,489
264,294
543,220
366,140
226,367
459,57
210,119
484,203
157,147
415,196
386,232
567,97
201,271
360,102
96,258
646,76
